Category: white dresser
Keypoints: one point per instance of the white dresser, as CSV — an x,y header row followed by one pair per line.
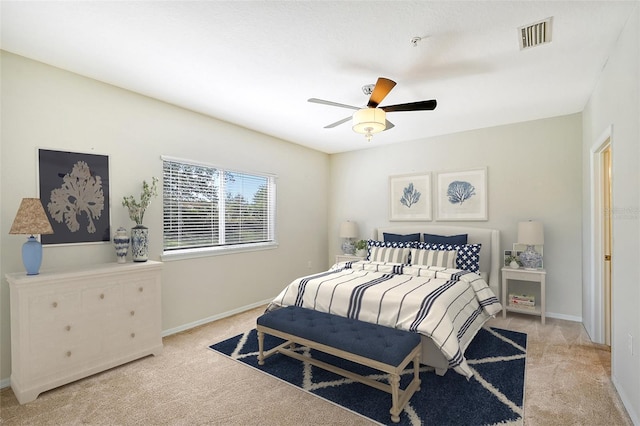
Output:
x,y
69,324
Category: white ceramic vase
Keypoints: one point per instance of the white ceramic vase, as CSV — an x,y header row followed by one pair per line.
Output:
x,y
121,242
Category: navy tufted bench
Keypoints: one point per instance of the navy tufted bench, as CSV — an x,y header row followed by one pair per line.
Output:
x,y
383,348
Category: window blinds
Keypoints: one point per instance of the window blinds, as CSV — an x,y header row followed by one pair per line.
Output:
x,y
204,206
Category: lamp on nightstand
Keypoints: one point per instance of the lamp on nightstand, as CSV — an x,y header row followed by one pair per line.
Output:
x,y
348,231
31,219
531,233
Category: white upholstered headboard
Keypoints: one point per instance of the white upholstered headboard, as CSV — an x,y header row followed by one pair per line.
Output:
x,y
490,259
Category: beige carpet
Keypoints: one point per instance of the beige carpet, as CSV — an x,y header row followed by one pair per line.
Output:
x,y
567,383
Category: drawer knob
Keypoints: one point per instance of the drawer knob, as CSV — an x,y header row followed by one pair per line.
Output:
x,y
133,335
54,304
141,289
68,353
133,313
68,328
102,296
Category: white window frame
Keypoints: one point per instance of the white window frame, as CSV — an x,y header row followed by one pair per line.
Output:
x,y
223,249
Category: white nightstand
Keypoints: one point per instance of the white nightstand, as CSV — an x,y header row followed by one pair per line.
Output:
x,y
347,258
537,275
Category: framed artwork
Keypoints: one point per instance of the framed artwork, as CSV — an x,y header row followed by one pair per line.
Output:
x,y
462,195
74,189
410,197
508,255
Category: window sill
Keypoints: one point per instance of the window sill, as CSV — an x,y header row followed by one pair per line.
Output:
x,y
169,256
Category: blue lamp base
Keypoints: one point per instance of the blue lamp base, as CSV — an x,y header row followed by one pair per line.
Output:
x,y
348,246
32,255
530,258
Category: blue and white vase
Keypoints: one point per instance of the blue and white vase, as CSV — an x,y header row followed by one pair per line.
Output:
x,y
140,243
121,242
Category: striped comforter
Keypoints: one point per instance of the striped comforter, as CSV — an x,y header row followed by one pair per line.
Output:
x,y
447,305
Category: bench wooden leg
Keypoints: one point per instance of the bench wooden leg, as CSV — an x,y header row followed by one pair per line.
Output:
x,y
416,371
394,380
260,348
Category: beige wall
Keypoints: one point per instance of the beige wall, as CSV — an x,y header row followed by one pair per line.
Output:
x,y
534,172
615,104
47,107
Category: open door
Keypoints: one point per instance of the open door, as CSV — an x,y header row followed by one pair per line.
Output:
x,y
606,239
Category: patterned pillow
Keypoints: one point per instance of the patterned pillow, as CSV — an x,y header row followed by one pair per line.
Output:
x,y
444,258
468,257
380,255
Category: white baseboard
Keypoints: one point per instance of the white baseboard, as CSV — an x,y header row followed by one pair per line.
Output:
x,y
626,402
564,317
213,318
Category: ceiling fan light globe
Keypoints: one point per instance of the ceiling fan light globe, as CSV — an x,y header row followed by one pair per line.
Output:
x,y
368,121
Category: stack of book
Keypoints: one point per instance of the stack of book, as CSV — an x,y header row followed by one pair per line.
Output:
x,y
522,301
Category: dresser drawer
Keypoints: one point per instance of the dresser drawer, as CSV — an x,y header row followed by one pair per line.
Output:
x,y
49,334
53,306
98,300
140,290
133,340
60,359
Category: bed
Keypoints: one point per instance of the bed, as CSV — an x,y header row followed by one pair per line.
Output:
x,y
415,287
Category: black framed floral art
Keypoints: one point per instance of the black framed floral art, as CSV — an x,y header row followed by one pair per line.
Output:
x,y
74,190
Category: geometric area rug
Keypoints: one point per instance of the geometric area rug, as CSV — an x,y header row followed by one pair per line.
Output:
x,y
494,395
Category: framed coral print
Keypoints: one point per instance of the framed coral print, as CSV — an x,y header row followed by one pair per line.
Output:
x,y
74,189
462,195
410,197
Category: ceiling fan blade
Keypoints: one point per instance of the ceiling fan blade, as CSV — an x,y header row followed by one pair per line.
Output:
x,y
322,101
389,125
380,91
412,106
337,123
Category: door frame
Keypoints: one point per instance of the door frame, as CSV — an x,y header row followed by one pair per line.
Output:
x,y
595,293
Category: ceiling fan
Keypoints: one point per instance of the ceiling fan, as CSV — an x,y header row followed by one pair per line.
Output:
x,y
372,118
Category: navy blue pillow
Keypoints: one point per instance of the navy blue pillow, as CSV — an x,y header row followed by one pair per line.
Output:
x,y
441,239
396,238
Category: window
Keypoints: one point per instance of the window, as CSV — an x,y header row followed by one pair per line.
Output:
x,y
208,209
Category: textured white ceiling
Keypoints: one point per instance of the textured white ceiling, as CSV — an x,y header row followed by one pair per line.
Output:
x,y
255,63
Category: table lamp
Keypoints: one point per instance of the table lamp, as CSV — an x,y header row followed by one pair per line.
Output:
x,y
348,231
31,219
531,233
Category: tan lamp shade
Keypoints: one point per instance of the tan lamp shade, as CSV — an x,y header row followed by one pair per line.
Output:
x,y
31,218
531,233
348,230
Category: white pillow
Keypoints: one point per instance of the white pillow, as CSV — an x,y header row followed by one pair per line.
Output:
x,y
389,254
444,258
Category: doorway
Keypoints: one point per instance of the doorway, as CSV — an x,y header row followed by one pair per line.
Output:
x,y
598,314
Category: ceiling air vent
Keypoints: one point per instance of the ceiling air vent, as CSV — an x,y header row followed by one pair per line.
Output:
x,y
535,34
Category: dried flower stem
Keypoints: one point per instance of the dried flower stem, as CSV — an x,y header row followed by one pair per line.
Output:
x,y
136,210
